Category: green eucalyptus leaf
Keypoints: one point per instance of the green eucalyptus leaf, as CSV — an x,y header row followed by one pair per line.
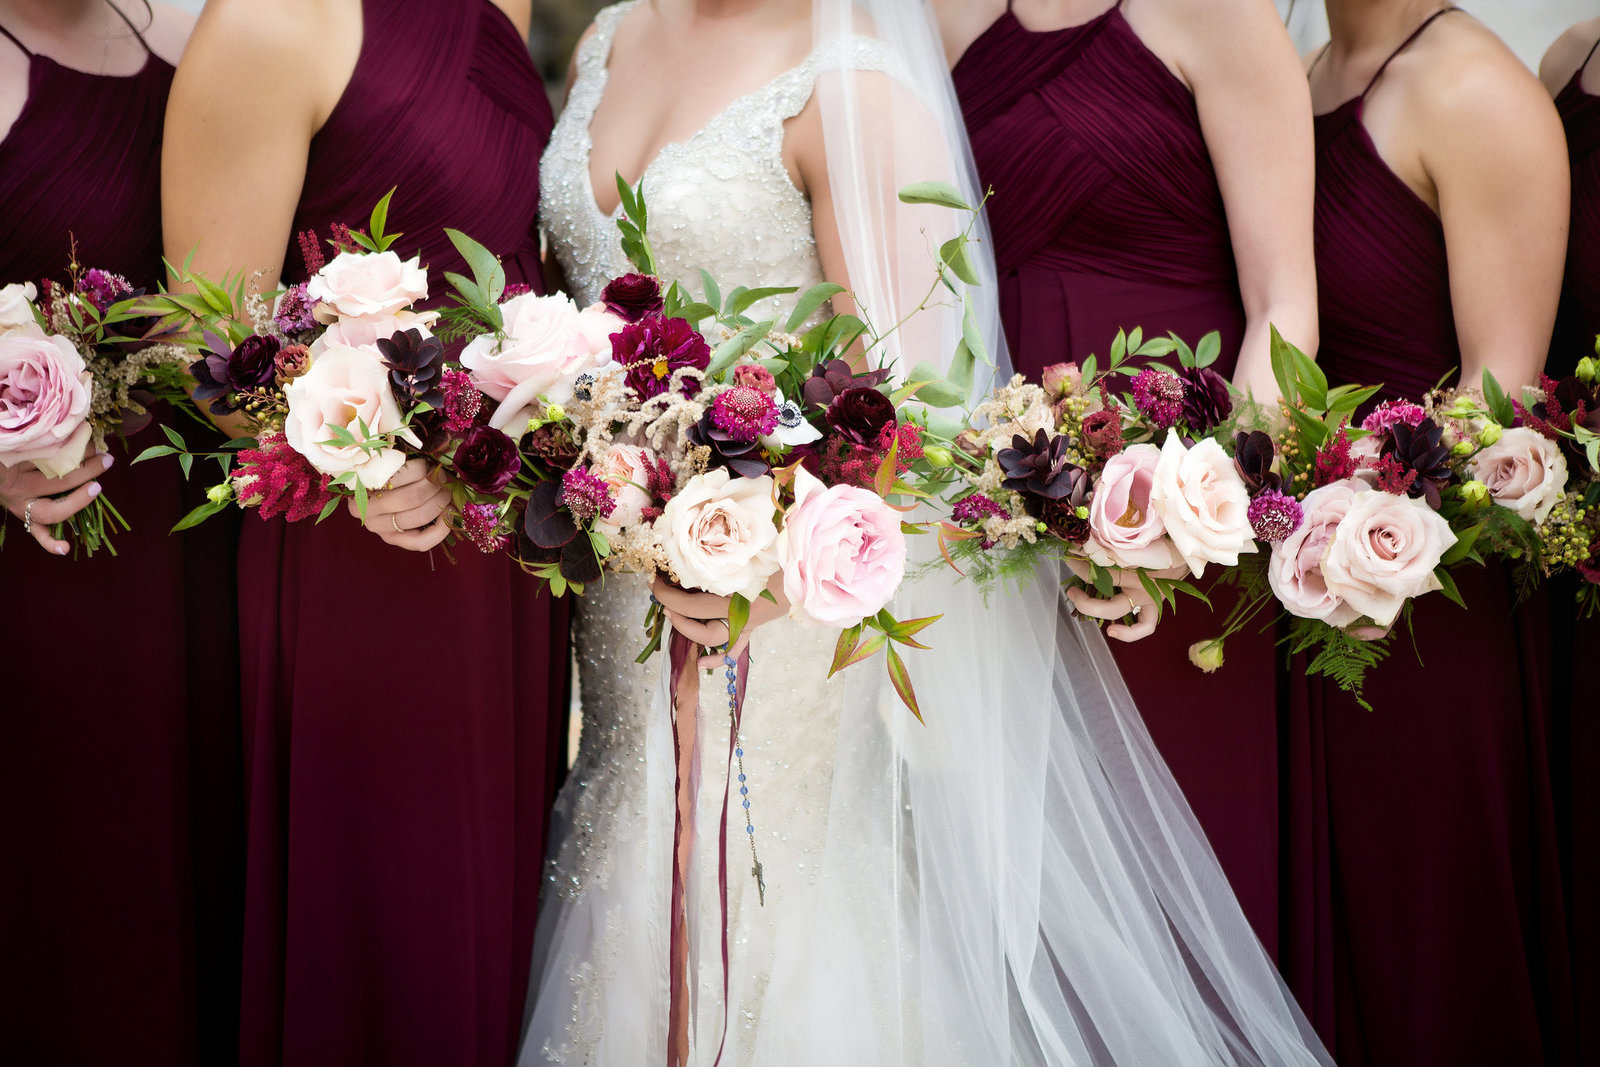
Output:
x,y
729,351
940,193
812,299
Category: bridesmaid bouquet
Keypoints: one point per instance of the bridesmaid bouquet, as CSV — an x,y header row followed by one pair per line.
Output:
x,y
78,366
1567,414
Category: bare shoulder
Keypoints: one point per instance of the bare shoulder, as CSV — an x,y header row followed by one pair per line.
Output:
x,y
1212,40
1471,93
1564,58
962,22
258,52
168,32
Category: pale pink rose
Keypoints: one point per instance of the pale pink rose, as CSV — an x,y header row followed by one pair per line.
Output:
x,y
1295,569
719,534
1203,503
1124,529
1365,452
842,552
16,308
354,284
548,344
45,391
365,331
345,388
1383,553
1525,472
625,468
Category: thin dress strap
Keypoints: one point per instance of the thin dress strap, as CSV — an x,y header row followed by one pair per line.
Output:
x,y
8,35
123,15
1324,50
1586,59
1429,21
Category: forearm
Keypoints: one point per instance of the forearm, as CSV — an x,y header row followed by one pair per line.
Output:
x,y
1296,321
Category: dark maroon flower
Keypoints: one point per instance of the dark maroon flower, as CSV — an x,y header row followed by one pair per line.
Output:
x,y
1039,469
1590,568
1567,402
1102,431
653,349
552,443
836,376
415,365
632,297
742,457
225,370
1421,449
1068,518
860,415
486,459
1207,403
1252,456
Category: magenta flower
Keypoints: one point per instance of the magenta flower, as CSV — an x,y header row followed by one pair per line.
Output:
x,y
971,510
1391,413
461,400
1158,395
481,525
102,288
586,495
294,310
655,348
277,480
744,413
1274,515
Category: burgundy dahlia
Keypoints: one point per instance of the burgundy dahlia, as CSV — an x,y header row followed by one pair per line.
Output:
x,y
486,459
632,297
415,365
225,370
860,414
655,348
1207,403
1158,394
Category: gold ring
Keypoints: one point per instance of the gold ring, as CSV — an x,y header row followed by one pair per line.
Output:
x,y
27,516
393,521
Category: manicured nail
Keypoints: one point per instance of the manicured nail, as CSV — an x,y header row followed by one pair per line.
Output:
x,y
110,459
60,550
94,490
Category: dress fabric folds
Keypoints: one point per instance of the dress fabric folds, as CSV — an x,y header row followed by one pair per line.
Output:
x,y
1106,215
1579,320
1424,910
404,713
119,772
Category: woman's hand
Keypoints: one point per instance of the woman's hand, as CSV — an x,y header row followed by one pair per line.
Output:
x,y
703,618
27,494
1130,599
410,511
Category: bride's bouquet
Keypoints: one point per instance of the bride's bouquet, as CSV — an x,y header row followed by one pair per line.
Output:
x,y
80,363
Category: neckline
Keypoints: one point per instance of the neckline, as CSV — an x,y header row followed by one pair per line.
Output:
x,y
603,76
1076,27
32,101
1370,148
1091,30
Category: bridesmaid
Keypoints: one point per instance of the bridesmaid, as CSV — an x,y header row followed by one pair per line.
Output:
x,y
403,713
118,767
1572,74
1427,922
1151,166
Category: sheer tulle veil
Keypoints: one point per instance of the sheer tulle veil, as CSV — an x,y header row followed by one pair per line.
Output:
x,y
1018,879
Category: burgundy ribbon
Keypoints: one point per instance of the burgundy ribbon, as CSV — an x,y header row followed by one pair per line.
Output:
x,y
681,651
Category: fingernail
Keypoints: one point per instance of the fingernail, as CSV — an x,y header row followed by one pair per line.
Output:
x,y
60,550
94,490
110,459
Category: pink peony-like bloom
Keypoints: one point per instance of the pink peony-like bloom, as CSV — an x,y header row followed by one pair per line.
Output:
x,y
1524,472
357,284
548,344
744,413
1295,569
627,470
1158,395
1274,515
45,391
277,480
1384,553
719,534
842,552
1391,412
1125,530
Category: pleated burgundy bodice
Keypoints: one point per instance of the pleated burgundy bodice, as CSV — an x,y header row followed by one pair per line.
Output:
x,y
1580,295
1383,281
1106,210
455,128
83,160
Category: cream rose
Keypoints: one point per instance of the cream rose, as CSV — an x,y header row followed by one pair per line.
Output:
x,y
1295,570
45,391
625,468
1203,503
354,284
16,308
1383,553
345,388
365,331
842,551
1124,529
1525,472
719,534
548,344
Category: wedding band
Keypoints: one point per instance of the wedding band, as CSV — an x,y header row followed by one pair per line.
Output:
x,y
27,516
393,521
1135,609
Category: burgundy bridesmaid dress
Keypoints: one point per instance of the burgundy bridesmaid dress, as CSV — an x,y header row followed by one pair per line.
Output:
x,y
1424,910
119,765
1577,729
404,714
1106,214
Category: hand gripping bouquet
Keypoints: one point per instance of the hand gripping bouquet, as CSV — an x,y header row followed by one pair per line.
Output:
x,y
80,363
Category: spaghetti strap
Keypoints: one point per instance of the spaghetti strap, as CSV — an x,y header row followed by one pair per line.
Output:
x,y
123,15
1320,53
1429,21
1586,59
13,39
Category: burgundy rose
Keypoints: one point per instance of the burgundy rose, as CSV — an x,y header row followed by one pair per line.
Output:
x,y
653,349
486,459
223,370
632,297
1207,403
860,415
836,376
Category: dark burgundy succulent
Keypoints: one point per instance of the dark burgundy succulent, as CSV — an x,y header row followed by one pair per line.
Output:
x,y
549,535
656,347
836,376
860,415
1421,449
1039,469
225,370
1207,403
486,459
632,297
742,458
1253,453
416,364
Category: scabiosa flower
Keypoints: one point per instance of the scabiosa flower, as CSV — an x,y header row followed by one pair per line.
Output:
x,y
756,377
1391,413
972,510
224,370
653,349
1207,403
459,399
586,495
277,480
480,523
744,413
293,314
415,364
1274,515
632,297
486,459
1158,395
740,454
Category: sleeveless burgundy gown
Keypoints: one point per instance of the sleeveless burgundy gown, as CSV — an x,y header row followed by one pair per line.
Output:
x,y
1577,730
1087,242
119,802
404,714
1424,907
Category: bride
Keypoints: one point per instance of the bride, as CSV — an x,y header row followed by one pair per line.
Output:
x,y
1017,881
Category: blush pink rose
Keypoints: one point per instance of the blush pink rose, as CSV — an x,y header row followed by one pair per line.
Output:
x,y
626,469
1124,529
1203,503
16,308
1524,471
45,391
1295,570
365,331
719,534
548,344
842,552
1384,552
355,284
346,388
